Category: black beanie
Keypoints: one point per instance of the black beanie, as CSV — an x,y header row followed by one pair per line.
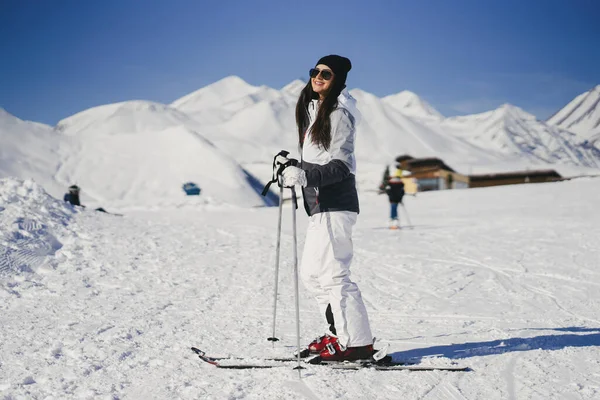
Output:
x,y
339,65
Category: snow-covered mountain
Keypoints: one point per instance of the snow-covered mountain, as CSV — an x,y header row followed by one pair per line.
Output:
x,y
219,101
150,149
582,116
512,131
250,123
129,154
256,132
294,88
397,124
139,153
28,150
385,132
128,116
411,104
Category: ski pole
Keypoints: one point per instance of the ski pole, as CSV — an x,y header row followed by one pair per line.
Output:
x,y
273,338
295,245
407,217
276,178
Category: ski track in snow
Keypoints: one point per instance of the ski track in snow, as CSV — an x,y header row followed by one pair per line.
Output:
x,y
503,280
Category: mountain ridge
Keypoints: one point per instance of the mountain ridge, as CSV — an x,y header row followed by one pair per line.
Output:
x,y
119,152
581,115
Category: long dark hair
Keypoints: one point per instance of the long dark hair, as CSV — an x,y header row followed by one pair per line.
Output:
x,y
321,129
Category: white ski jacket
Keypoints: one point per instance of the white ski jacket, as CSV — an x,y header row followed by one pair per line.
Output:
x,y
330,174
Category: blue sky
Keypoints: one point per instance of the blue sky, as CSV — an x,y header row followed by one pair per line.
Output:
x,y
61,57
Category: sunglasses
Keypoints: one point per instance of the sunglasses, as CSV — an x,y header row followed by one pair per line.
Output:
x,y
325,74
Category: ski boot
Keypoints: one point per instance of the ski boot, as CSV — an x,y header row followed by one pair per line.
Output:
x,y
334,351
317,345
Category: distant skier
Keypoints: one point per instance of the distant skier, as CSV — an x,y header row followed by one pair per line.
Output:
x,y
394,187
72,196
326,117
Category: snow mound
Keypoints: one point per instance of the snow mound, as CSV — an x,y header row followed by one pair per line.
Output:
x,y
30,223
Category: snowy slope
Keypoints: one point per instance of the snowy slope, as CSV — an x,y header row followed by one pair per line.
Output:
x,y
411,104
582,116
504,280
28,150
512,131
140,153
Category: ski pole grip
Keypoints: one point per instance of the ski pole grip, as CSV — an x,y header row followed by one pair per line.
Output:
x,y
283,153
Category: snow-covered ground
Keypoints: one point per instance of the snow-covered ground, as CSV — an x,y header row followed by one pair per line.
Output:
x,y
504,280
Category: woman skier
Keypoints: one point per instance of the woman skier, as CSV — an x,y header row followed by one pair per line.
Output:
x,y
326,117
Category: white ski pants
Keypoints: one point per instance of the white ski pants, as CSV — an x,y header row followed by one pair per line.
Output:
x,y
325,272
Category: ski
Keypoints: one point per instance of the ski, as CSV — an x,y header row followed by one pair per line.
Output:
x,y
202,355
399,367
216,361
305,356
383,365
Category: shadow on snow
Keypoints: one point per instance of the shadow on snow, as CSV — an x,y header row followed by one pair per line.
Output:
x,y
271,199
478,349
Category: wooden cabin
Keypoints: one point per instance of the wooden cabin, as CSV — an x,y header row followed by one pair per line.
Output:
x,y
513,178
430,174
